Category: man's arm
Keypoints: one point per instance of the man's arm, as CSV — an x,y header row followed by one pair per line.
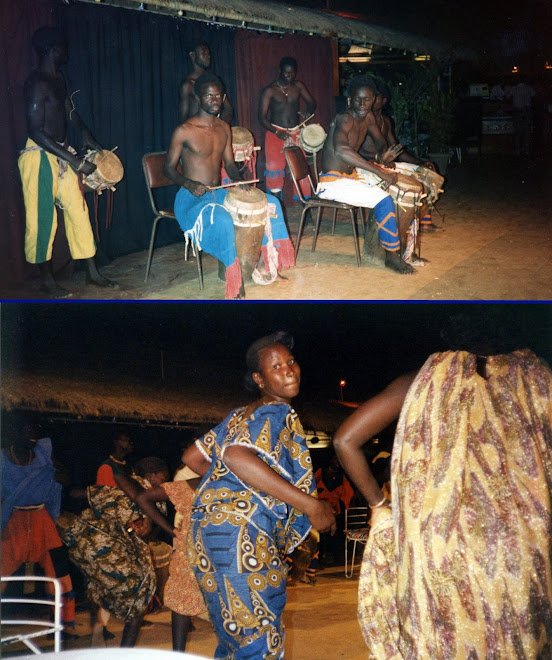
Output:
x,y
344,124
178,140
186,88
307,98
405,156
36,94
264,107
88,140
228,157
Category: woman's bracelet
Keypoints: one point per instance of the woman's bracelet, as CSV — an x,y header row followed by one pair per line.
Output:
x,y
382,502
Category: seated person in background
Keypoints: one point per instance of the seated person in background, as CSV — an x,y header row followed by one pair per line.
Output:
x,y
115,463
340,180
200,144
368,149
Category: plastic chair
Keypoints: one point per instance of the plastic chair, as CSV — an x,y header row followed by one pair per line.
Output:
x,y
356,531
152,164
299,169
46,627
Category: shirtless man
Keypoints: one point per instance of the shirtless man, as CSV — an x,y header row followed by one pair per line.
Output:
x,y
49,168
200,144
368,149
340,180
200,56
279,113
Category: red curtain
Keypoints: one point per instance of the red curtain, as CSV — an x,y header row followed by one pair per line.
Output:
x,y
258,57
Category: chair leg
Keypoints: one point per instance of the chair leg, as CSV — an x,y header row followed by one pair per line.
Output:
x,y
355,236
300,231
334,220
199,268
346,555
316,229
152,241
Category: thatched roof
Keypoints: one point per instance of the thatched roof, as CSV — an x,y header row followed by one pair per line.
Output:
x,y
194,404
276,17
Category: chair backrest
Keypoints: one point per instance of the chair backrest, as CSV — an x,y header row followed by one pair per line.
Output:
x,y
299,169
153,170
356,517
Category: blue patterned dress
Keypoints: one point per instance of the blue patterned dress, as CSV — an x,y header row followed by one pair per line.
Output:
x,y
240,534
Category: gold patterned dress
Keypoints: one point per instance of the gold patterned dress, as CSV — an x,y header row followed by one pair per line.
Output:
x,y
461,568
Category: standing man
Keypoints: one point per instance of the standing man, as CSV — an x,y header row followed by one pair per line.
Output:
x,y
49,168
280,115
200,56
200,144
342,182
522,101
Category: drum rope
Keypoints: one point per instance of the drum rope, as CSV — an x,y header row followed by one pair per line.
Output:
x,y
195,234
272,255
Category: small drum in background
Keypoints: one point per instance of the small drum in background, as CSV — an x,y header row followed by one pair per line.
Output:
x,y
109,171
433,182
243,144
312,138
249,211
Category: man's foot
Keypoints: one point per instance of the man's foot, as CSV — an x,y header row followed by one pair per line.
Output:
x,y
415,260
107,634
430,228
393,261
100,280
54,290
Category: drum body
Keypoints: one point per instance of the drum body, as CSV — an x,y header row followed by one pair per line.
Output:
x,y
312,138
249,211
243,144
109,171
407,192
433,182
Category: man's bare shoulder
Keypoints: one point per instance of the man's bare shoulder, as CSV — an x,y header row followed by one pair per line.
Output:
x,y
344,119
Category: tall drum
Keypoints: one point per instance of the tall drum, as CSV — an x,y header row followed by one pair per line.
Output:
x,y
249,210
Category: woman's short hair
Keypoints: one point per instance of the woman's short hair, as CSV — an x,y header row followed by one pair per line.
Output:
x,y
252,355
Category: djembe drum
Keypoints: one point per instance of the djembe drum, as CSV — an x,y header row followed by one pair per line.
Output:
x,y
312,138
249,210
432,182
109,171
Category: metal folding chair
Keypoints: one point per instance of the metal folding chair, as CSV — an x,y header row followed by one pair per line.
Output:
x,y
152,164
356,531
38,627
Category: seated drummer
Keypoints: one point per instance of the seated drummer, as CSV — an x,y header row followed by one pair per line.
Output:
x,y
340,181
200,144
368,149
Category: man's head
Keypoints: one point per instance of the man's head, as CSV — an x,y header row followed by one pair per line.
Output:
x,y
123,444
200,54
361,91
154,469
288,69
47,39
210,93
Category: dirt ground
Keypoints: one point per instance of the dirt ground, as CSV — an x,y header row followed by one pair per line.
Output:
x,y
496,244
314,628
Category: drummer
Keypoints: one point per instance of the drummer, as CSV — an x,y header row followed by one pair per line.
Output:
x,y
49,168
280,115
200,144
368,149
340,181
200,57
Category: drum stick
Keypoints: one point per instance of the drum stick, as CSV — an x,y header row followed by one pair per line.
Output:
x,y
305,121
236,183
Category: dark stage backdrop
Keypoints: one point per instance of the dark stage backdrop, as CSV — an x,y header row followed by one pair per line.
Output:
x,y
127,66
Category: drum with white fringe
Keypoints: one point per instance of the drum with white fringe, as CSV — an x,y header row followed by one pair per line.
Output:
x,y
249,210
407,192
109,171
312,138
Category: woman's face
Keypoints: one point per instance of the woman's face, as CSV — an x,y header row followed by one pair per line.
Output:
x,y
279,375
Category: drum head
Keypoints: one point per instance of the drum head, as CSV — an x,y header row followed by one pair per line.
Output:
x,y
312,138
109,168
252,197
241,137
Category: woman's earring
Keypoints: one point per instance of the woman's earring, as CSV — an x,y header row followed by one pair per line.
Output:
x,y
348,102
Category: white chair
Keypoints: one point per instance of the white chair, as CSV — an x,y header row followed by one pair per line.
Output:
x,y
38,627
356,531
